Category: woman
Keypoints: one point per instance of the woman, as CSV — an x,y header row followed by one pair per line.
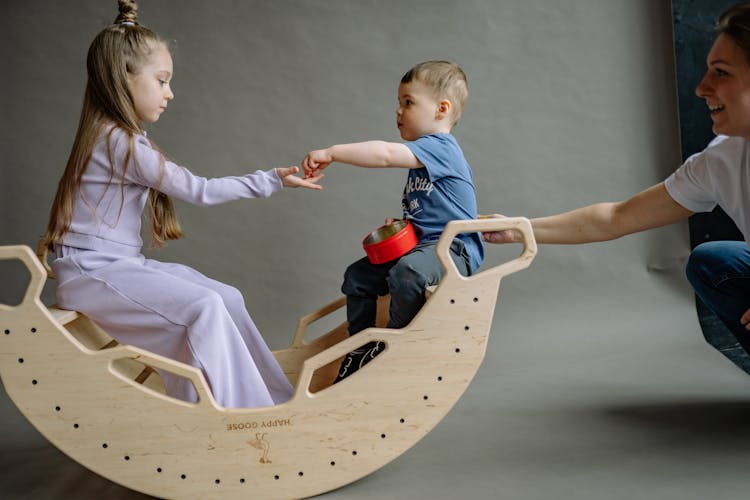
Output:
x,y
719,271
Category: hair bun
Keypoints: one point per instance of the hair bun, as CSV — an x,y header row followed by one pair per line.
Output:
x,y
128,11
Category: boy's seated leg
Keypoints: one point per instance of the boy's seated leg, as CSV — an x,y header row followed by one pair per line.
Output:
x,y
413,273
406,280
363,283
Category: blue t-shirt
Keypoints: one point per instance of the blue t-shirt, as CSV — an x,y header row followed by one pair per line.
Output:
x,y
442,191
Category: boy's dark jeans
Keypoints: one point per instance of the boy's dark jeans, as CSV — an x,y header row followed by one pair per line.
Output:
x,y
405,279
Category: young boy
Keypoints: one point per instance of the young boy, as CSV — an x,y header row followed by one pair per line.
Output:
x,y
439,188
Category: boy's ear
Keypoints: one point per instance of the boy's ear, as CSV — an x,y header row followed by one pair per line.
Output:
x,y
444,108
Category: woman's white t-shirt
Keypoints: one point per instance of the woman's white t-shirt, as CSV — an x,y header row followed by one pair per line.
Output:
x,y
718,175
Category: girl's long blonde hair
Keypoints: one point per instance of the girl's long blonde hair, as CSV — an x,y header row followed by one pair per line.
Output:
x,y
116,51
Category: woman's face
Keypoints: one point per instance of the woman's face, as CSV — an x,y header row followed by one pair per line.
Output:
x,y
726,88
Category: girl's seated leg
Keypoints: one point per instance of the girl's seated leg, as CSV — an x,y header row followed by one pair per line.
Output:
x,y
139,304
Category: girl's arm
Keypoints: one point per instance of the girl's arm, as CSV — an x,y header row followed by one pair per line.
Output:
x,y
149,168
651,208
370,154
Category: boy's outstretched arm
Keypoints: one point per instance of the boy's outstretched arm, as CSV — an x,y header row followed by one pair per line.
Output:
x,y
370,154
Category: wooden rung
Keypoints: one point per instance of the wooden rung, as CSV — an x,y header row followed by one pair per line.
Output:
x,y
63,316
109,345
141,378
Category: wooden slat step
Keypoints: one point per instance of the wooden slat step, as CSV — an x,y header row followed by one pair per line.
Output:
x,y
63,315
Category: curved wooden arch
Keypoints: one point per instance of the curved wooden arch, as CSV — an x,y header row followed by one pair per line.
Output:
x,y
103,404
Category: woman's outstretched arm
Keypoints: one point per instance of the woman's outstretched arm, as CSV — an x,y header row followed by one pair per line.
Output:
x,y
651,208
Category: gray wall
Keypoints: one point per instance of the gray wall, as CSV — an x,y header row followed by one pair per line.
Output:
x,y
570,103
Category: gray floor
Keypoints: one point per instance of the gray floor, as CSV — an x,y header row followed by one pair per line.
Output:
x,y
614,397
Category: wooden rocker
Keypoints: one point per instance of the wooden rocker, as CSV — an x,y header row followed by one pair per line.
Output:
x,y
104,405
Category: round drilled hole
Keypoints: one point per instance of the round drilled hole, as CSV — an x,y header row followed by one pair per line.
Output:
x,y
276,477
466,328
33,330
242,480
158,469
33,382
382,436
440,379
20,360
7,332
402,420
458,350
300,473
425,397
476,299
333,463
57,408
453,301
183,476
218,481
75,426
354,452
104,445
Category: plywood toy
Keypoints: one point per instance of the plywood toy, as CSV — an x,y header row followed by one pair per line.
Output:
x,y
103,404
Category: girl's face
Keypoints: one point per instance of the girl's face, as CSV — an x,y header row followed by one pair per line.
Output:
x,y
418,112
726,88
150,87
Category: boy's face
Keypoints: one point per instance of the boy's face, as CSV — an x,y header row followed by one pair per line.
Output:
x,y
418,112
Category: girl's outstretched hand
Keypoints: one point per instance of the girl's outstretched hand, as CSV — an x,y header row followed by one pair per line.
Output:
x,y
504,236
289,179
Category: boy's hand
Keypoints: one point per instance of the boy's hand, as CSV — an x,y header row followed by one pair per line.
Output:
x,y
316,161
288,179
504,236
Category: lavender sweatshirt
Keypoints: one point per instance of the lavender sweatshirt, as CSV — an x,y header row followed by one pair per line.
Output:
x,y
107,215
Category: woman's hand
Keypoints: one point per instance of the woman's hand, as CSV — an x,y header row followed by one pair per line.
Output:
x,y
504,236
745,319
289,179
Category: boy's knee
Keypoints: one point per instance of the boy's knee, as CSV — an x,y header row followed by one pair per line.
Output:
x,y
353,280
404,278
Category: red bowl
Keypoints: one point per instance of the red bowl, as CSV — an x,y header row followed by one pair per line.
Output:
x,y
389,242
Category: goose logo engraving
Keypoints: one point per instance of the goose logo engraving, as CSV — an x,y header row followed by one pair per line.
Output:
x,y
264,446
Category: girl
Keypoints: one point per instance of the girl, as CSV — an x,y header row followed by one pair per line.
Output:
x,y
719,271
114,171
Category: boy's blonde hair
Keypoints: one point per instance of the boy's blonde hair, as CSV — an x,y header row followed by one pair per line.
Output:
x,y
446,79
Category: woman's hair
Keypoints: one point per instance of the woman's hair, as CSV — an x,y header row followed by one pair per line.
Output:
x,y
735,22
117,50
445,79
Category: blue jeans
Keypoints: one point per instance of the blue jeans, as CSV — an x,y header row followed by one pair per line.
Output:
x,y
720,274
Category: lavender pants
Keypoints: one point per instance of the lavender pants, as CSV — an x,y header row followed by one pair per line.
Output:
x,y
177,312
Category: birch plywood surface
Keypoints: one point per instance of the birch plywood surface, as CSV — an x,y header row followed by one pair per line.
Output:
x,y
103,403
